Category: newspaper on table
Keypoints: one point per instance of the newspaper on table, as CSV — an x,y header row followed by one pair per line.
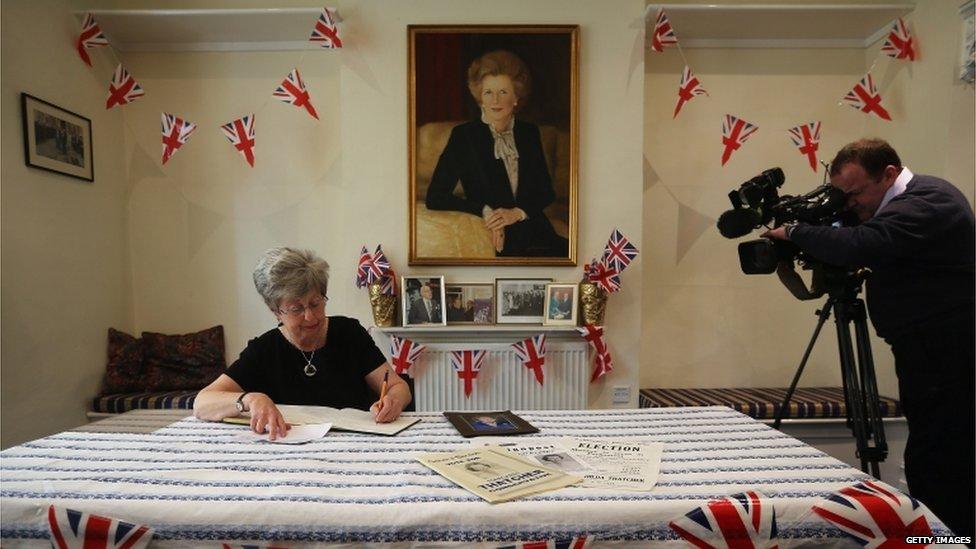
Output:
x,y
494,474
625,464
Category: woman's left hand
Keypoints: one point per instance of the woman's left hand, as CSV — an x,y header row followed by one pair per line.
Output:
x,y
386,409
502,217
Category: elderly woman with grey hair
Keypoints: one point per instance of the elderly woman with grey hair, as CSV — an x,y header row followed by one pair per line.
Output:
x,y
310,358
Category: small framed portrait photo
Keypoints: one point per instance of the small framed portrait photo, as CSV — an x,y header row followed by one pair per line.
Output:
x,y
55,139
520,300
470,303
423,300
560,304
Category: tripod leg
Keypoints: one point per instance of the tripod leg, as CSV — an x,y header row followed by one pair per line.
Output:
x,y
852,391
823,314
869,386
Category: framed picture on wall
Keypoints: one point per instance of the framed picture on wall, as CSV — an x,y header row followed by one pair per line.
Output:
x,y
423,300
470,303
520,300
493,144
560,306
56,139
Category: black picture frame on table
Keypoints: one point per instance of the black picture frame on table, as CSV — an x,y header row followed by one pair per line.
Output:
x,y
56,139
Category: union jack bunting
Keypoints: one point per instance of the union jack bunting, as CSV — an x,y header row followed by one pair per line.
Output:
x,y
240,133
72,529
577,542
91,36
292,91
176,132
806,137
874,514
403,353
467,364
899,43
663,33
739,520
602,361
864,97
688,88
362,267
605,277
619,252
735,132
326,31
532,352
123,89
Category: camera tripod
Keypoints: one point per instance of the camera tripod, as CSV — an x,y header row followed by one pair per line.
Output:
x,y
860,383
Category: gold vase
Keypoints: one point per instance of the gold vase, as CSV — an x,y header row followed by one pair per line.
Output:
x,y
384,306
593,303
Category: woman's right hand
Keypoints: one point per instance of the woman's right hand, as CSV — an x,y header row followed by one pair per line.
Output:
x,y
266,416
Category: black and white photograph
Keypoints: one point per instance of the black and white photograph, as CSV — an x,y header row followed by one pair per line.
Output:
x,y
520,300
470,303
423,300
56,139
560,305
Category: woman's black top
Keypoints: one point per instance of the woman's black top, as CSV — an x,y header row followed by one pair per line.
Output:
x,y
270,364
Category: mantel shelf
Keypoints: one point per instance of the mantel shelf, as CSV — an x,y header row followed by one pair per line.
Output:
x,y
487,333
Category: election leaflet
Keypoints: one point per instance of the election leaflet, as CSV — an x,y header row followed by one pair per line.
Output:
x,y
494,474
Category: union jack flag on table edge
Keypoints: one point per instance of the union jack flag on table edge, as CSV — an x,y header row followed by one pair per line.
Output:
x,y
874,514
689,88
740,520
91,35
176,132
123,89
735,132
864,97
532,352
403,353
663,32
619,252
577,542
899,44
467,364
240,133
326,30
292,91
75,529
806,137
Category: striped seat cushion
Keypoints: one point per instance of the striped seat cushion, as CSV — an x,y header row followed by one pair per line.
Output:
x,y
763,403
117,404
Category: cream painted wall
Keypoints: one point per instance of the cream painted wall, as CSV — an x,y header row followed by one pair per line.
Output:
x,y
705,323
63,240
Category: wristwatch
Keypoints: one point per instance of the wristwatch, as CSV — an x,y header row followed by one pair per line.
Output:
x,y
240,403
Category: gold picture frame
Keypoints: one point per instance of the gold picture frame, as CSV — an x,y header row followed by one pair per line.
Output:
x,y
463,207
560,308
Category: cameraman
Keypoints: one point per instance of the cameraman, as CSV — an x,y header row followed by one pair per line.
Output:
x,y
916,233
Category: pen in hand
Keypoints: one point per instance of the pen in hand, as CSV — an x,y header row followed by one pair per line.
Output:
x,y
386,377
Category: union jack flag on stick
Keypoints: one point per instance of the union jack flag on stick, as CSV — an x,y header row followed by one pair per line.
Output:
x,y
605,277
403,353
663,33
577,542
532,352
619,252
602,361
378,267
467,364
735,132
91,36
72,529
806,137
864,97
874,514
240,133
689,87
176,132
326,31
739,520
899,44
292,91
123,89
364,259
388,281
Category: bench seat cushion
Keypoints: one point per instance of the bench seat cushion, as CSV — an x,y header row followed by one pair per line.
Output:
x,y
764,402
119,403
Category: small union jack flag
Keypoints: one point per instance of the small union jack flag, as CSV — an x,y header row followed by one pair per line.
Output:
x,y
362,267
899,43
532,352
874,514
806,137
240,133
326,31
735,132
403,353
90,37
688,88
602,361
864,97
619,252
388,282
663,33
739,520
72,529
378,267
292,91
467,364
577,542
176,132
605,277
123,89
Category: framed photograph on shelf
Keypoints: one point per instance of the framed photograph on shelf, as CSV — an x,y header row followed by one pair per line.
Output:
x,y
560,304
423,300
55,139
470,303
470,205
520,300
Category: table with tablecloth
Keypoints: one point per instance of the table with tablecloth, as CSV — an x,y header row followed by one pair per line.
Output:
x,y
197,484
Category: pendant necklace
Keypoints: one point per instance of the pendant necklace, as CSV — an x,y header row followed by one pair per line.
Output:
x,y
310,368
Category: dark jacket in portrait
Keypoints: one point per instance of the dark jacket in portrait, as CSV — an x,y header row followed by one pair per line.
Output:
x,y
418,312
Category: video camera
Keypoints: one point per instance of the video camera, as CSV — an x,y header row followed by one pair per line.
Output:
x,y
756,203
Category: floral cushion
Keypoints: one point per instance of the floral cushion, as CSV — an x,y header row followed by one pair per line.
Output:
x,y
189,361
123,371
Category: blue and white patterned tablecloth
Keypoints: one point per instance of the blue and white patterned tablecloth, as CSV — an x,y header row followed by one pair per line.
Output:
x,y
198,486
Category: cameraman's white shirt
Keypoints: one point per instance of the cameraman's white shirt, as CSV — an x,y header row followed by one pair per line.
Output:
x,y
896,188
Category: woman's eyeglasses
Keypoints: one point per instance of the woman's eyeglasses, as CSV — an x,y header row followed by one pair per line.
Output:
x,y
299,310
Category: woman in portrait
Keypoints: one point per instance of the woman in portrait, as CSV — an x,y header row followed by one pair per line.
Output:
x,y
500,164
